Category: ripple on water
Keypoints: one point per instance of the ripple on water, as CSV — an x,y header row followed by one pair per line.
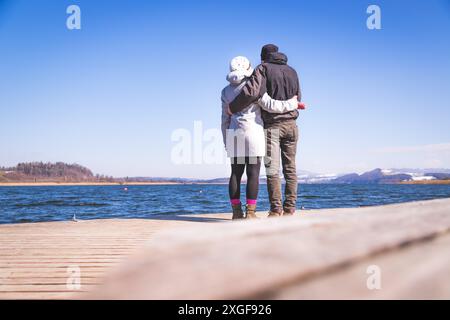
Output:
x,y
31,204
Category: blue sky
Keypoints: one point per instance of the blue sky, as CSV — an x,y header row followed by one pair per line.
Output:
x,y
110,95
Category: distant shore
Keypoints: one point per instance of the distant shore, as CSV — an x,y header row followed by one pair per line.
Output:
x,y
44,184
162,183
427,182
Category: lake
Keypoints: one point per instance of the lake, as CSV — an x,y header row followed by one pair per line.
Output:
x,y
55,203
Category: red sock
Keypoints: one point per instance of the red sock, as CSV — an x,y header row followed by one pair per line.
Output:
x,y
235,201
251,201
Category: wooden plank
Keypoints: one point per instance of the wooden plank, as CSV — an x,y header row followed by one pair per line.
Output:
x,y
189,258
53,266
53,259
54,275
420,271
43,287
34,256
53,295
47,281
267,255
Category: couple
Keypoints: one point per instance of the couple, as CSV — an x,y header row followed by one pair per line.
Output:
x,y
265,98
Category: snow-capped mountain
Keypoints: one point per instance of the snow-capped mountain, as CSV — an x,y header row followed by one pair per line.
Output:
x,y
376,176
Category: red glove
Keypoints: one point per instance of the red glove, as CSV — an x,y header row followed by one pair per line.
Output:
x,y
301,106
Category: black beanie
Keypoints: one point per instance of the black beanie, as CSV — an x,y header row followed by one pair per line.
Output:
x,y
268,48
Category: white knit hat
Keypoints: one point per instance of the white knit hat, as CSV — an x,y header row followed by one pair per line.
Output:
x,y
242,64
240,68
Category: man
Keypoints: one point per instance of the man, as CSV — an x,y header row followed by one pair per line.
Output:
x,y
281,82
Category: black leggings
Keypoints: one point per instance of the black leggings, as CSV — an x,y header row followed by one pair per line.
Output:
x,y
251,165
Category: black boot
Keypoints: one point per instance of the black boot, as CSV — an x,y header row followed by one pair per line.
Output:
x,y
237,212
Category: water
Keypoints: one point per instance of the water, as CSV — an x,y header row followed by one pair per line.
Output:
x,y
33,204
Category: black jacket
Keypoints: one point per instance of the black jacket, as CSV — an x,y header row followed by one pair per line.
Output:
x,y
276,78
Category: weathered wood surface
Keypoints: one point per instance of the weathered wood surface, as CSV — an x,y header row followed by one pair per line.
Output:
x,y
35,258
316,254
325,250
419,271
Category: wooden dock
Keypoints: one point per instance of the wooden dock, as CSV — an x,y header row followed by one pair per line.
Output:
x,y
37,259
332,253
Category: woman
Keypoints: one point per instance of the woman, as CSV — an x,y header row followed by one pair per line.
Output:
x,y
243,136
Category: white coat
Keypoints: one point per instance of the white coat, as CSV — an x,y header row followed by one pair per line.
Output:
x,y
243,132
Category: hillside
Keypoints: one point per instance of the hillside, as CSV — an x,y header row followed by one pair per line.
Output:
x,y
374,176
59,172
50,172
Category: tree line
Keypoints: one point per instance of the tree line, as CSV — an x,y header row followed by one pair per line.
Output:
x,y
58,170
